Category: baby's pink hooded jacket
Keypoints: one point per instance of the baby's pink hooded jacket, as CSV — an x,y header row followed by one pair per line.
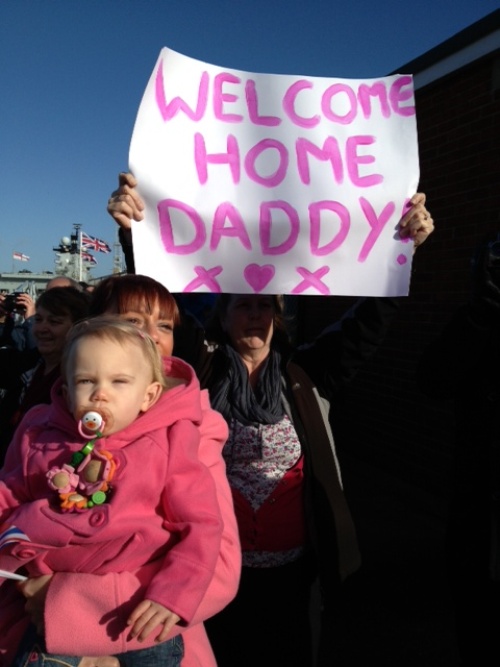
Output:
x,y
158,538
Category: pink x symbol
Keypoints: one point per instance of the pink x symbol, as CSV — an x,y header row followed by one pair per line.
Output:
x,y
205,277
312,279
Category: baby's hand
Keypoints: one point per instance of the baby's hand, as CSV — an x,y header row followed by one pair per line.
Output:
x,y
147,616
35,591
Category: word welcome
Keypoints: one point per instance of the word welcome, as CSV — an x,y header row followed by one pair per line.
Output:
x,y
339,102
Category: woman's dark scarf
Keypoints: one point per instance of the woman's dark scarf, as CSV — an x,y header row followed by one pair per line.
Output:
x,y
234,398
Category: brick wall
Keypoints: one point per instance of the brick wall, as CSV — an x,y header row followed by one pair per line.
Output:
x,y
392,423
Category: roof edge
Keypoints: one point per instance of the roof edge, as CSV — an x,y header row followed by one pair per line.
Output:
x,y
462,41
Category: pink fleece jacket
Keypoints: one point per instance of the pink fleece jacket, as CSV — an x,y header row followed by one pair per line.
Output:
x,y
119,553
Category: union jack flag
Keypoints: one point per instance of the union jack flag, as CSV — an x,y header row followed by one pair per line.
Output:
x,y
88,257
93,243
11,534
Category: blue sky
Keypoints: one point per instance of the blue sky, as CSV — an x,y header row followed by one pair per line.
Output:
x,y
72,74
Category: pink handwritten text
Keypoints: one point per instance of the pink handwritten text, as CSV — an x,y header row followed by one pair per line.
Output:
x,y
339,103
324,219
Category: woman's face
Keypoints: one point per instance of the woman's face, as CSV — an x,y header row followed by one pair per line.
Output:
x,y
249,323
50,332
161,329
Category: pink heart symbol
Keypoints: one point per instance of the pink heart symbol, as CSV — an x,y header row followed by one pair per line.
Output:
x,y
258,276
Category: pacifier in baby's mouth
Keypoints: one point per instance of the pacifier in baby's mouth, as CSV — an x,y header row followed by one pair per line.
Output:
x,y
91,424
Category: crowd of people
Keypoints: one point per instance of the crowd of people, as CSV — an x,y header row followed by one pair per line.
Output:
x,y
149,455
177,483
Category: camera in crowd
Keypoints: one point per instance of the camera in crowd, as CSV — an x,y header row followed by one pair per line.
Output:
x,y
9,304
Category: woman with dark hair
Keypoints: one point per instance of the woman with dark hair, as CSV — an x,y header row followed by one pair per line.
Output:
x,y
281,464
28,376
293,520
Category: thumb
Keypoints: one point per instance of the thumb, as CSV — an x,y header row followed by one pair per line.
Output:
x,y
31,586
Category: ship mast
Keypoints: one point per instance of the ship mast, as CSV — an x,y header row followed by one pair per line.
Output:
x,y
117,254
69,260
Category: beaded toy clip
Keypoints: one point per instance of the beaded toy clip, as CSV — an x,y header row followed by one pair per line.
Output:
x,y
85,481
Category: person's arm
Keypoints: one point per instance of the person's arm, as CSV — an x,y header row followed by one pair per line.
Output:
x,y
225,580
16,497
125,205
17,333
22,334
14,480
27,329
191,515
343,348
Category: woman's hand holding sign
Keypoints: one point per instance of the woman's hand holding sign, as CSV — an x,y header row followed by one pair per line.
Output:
x,y
125,205
417,223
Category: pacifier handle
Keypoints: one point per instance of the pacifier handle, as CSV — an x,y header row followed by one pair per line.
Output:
x,y
94,426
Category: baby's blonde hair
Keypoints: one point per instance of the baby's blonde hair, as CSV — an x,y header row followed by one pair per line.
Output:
x,y
117,331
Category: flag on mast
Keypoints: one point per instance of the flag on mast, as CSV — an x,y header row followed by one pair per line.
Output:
x,y
88,257
20,256
93,243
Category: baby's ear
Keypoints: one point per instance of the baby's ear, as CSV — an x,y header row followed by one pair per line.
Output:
x,y
153,393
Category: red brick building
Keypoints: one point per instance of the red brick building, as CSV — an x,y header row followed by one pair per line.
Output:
x,y
458,114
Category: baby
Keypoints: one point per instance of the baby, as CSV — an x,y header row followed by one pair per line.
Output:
x,y
107,479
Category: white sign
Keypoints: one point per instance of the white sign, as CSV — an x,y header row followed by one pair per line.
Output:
x,y
265,183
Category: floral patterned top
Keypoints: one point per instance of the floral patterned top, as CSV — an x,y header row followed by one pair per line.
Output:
x,y
257,458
